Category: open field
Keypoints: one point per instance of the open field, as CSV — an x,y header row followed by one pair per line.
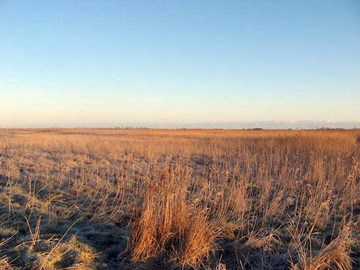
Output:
x,y
167,199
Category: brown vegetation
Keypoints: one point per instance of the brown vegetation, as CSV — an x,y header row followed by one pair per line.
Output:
x,y
187,199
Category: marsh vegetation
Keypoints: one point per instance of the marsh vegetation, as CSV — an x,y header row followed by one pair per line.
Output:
x,y
179,199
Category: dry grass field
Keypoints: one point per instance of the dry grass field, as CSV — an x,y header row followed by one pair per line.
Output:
x,y
179,199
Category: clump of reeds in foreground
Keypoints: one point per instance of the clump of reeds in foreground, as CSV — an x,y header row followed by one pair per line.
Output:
x,y
168,229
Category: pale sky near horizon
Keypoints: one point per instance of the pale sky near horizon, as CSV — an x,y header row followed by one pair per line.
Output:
x,y
85,63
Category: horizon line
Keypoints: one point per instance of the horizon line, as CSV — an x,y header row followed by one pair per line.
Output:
x,y
231,125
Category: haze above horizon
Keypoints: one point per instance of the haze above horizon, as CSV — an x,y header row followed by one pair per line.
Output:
x,y
96,63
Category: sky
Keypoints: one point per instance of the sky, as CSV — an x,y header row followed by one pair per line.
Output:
x,y
110,63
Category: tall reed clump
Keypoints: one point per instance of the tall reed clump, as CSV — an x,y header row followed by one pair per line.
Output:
x,y
168,229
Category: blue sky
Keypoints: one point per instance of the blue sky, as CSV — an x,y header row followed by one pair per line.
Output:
x,y
88,63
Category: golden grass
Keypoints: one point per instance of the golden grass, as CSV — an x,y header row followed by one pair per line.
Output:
x,y
192,199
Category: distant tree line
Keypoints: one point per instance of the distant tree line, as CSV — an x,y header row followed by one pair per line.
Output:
x,y
131,128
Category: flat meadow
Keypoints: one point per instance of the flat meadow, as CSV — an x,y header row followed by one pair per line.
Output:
x,y
179,199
